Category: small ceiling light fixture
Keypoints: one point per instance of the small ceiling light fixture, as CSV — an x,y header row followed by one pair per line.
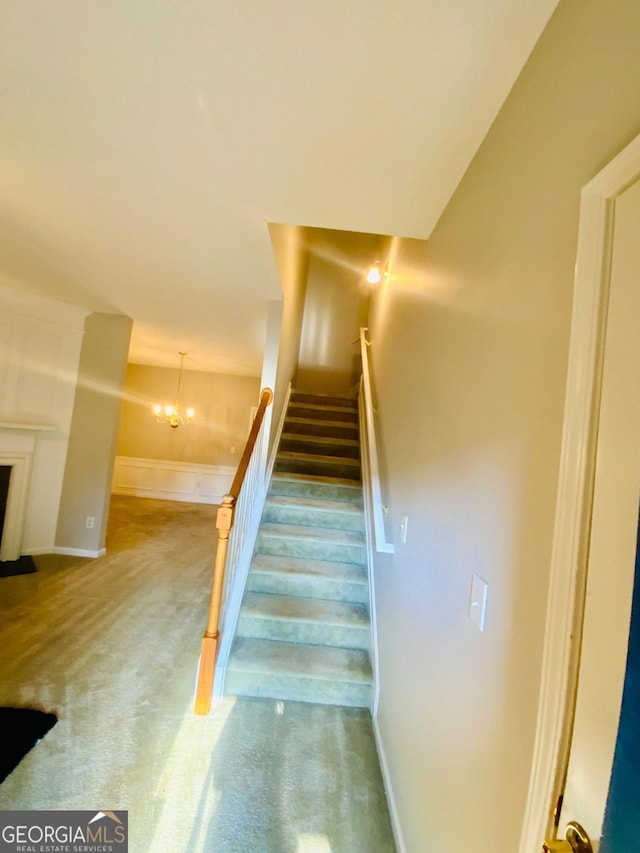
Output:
x,y
171,414
374,276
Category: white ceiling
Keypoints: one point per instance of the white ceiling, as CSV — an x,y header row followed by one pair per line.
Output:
x,y
146,144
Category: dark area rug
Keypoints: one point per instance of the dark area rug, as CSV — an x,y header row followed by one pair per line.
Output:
x,y
22,566
20,731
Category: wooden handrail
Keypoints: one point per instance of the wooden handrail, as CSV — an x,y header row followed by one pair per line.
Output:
x,y
224,523
266,398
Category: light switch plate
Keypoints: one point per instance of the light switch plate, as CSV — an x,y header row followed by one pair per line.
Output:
x,y
478,602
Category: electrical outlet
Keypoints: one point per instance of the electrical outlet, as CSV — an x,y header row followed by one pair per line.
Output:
x,y
91,522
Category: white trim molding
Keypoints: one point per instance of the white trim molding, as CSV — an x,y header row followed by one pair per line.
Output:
x,y
565,601
12,531
171,481
388,787
69,552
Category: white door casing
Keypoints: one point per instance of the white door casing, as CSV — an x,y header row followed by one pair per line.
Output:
x,y
575,493
612,544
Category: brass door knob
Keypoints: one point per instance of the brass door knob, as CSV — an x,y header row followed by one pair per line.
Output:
x,y
557,847
578,838
577,841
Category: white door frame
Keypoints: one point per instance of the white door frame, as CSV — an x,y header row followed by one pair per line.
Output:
x,y
565,600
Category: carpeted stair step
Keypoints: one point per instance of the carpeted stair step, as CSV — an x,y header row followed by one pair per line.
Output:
x,y
311,543
328,488
303,631
323,413
329,400
308,578
281,670
310,512
323,466
321,445
304,620
330,429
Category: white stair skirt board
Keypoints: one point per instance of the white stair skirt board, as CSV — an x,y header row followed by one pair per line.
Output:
x,y
171,481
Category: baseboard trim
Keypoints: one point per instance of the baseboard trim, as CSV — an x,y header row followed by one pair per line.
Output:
x,y
388,788
68,552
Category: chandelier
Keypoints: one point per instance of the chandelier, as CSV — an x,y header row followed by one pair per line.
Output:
x,y
171,414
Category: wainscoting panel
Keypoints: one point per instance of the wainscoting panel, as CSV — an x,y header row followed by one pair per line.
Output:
x,y
172,481
130,476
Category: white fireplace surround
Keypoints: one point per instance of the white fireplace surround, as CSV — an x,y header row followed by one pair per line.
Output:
x,y
17,446
13,529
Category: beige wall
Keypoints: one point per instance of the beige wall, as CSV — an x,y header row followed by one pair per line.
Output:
x,y
292,259
333,313
222,404
94,427
269,375
470,342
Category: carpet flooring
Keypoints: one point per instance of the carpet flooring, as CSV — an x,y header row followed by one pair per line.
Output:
x,y
110,647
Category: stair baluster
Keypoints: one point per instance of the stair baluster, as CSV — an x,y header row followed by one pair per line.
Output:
x,y
224,524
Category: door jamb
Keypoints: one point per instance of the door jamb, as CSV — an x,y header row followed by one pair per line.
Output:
x,y
565,598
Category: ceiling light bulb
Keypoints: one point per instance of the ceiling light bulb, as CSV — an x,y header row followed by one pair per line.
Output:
x,y
374,275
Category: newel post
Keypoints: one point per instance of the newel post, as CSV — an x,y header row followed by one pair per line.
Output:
x,y
209,648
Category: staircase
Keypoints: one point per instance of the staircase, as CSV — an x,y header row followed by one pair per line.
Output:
x,y
303,631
